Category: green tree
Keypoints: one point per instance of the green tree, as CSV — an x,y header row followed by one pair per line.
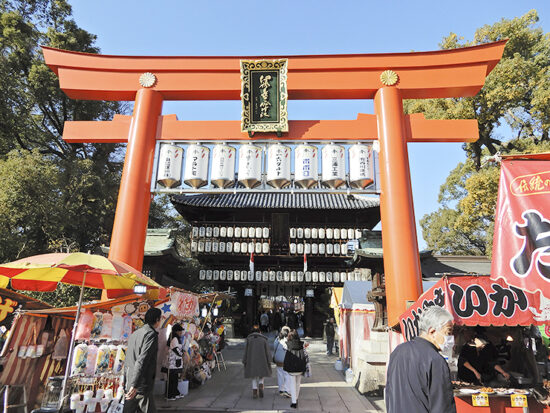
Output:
x,y
516,94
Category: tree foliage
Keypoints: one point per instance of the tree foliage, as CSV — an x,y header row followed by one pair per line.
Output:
x,y
517,95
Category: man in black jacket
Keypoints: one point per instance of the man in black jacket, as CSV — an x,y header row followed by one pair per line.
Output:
x,y
329,332
418,379
141,364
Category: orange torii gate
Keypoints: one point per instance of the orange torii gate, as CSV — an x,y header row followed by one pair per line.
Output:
x,y
386,78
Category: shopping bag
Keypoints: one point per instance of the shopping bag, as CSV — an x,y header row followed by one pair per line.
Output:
x,y
183,387
116,406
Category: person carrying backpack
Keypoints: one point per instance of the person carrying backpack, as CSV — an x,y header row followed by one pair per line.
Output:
x,y
279,352
295,364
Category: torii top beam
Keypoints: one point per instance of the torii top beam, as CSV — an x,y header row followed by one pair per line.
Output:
x,y
436,74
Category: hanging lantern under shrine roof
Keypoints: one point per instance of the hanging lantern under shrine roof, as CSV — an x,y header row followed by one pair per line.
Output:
x,y
196,166
223,165
169,165
250,166
334,166
278,166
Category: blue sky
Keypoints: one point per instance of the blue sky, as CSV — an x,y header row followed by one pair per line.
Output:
x,y
255,27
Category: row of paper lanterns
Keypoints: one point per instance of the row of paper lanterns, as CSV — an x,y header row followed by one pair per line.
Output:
x,y
249,173
221,247
263,232
280,276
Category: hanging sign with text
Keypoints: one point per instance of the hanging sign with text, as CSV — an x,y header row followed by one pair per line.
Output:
x,y
264,96
521,244
476,300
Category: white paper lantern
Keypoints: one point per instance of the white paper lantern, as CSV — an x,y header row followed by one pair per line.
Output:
x,y
322,233
336,233
196,166
223,275
299,232
361,166
229,247
258,232
265,248
208,232
330,249
279,276
329,233
223,165
351,233
343,277
300,248
358,234
278,166
322,249
265,232
208,246
258,276
329,277
169,165
336,249
208,275
200,247
215,245
306,165
222,247
315,249
244,247
202,274
322,276
265,276
258,248
314,233
230,232
195,232
293,276
194,246
216,232
202,232
251,246
308,276
250,165
307,232
286,276
237,232
336,276
216,275
250,275
244,232
307,248
292,248
229,275
223,232
237,247
334,166
292,232
300,276
237,275
272,275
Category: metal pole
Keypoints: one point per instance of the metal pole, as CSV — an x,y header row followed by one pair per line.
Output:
x,y
71,346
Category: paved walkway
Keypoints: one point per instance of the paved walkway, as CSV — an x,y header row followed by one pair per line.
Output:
x,y
228,391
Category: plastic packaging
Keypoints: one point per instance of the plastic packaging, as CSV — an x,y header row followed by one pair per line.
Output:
x,y
97,325
119,360
116,331
102,364
84,327
80,355
107,328
91,359
127,324
112,355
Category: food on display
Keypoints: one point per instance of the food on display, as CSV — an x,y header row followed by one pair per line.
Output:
x,y
107,327
84,325
97,325
487,390
91,359
80,356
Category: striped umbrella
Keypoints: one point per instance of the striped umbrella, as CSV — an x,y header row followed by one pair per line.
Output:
x,y
44,272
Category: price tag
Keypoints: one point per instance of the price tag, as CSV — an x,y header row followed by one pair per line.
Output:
x,y
480,400
518,400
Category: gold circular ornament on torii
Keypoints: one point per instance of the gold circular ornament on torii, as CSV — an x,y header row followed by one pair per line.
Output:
x,y
147,79
389,77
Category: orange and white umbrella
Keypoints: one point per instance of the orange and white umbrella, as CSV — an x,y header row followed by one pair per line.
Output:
x,y
44,272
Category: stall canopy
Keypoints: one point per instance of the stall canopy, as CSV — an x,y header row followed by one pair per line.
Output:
x,y
354,295
477,300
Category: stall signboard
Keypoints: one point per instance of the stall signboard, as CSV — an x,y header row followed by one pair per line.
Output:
x,y
480,400
477,300
521,244
184,305
518,400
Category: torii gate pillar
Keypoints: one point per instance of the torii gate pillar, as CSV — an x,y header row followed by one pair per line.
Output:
x,y
134,195
399,241
423,75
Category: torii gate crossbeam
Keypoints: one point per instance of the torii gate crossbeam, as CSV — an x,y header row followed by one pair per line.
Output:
x,y
437,74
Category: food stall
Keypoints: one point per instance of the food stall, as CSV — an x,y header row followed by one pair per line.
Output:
x,y
505,313
98,356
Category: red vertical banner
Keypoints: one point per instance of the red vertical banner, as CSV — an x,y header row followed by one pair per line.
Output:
x,y
521,244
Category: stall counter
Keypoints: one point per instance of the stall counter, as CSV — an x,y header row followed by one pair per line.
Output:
x,y
498,404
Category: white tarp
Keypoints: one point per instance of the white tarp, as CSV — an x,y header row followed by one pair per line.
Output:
x,y
354,295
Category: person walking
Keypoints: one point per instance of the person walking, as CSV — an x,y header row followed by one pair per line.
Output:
x,y
175,362
418,378
295,364
257,361
329,332
279,351
264,322
141,364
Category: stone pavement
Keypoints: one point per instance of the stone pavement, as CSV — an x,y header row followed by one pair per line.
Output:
x,y
228,391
